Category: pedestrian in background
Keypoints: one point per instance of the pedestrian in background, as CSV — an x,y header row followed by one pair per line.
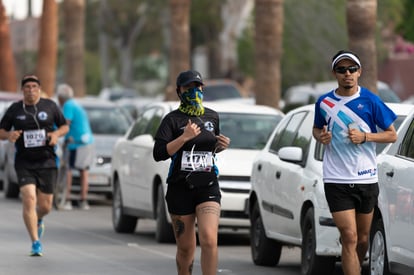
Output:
x,y
79,143
34,124
191,137
346,121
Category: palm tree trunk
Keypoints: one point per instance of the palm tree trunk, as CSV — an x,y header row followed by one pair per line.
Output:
x,y
8,80
268,51
74,19
179,59
361,18
47,60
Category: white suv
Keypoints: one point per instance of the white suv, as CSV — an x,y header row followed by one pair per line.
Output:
x,y
287,203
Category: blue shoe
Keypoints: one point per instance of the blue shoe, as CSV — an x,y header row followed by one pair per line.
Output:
x,y
36,249
40,228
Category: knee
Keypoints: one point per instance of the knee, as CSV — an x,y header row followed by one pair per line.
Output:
x,y
208,242
44,207
185,251
186,246
363,239
29,201
349,238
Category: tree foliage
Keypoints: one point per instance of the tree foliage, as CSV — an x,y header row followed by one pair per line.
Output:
x,y
132,29
313,31
206,25
405,27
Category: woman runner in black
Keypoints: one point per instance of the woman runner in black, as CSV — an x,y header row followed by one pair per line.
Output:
x,y
191,137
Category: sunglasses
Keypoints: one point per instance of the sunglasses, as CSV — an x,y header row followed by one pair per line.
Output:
x,y
342,70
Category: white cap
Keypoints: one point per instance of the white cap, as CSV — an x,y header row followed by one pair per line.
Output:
x,y
343,56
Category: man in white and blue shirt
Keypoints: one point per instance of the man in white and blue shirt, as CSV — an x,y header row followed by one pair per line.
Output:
x,y
346,121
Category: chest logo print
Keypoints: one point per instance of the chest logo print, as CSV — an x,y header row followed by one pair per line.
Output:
x,y
209,126
42,115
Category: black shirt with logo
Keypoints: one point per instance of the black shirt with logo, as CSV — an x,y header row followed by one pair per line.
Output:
x,y
172,126
33,119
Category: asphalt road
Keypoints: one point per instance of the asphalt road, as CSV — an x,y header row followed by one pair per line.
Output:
x,y
83,242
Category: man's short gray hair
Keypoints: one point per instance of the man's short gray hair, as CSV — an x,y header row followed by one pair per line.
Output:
x,y
64,91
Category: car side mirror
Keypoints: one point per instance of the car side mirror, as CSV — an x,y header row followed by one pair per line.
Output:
x,y
143,140
291,154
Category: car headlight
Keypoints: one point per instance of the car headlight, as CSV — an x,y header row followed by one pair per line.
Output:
x,y
101,160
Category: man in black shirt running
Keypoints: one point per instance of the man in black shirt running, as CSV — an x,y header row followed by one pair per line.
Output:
x,y
34,124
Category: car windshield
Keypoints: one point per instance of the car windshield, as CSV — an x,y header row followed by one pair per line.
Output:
x,y
247,131
108,121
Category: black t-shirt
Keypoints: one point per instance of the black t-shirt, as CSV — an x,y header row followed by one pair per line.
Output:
x,y
35,121
172,126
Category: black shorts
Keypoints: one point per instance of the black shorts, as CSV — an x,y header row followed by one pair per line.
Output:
x,y
361,197
43,178
183,201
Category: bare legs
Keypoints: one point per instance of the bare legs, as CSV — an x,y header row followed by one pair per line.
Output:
x,y
207,215
83,182
35,207
354,230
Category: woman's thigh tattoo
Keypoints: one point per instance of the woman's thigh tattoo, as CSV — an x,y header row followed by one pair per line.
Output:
x,y
210,209
178,226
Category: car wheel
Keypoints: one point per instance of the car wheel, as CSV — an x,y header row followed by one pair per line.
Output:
x,y
378,258
313,264
11,189
164,232
264,251
122,223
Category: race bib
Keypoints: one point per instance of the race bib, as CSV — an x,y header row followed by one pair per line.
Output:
x,y
197,161
34,138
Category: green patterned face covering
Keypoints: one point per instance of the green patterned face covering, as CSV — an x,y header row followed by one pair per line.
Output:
x,y
191,102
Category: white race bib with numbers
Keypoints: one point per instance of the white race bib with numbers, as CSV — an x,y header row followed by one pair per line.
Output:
x,y
201,161
34,138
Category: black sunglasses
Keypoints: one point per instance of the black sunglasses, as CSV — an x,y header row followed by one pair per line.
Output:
x,y
342,70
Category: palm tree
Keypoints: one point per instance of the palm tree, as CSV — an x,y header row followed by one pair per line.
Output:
x,y
179,56
48,41
268,51
361,18
7,66
74,68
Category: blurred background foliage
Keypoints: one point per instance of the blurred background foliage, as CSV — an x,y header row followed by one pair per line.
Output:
x,y
313,31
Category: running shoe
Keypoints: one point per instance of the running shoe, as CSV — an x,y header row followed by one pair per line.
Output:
x,y
84,205
36,249
40,228
68,205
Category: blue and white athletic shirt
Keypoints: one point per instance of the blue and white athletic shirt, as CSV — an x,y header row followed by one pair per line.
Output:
x,y
345,162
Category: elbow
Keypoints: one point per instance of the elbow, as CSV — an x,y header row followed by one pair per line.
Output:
x,y
156,157
160,153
